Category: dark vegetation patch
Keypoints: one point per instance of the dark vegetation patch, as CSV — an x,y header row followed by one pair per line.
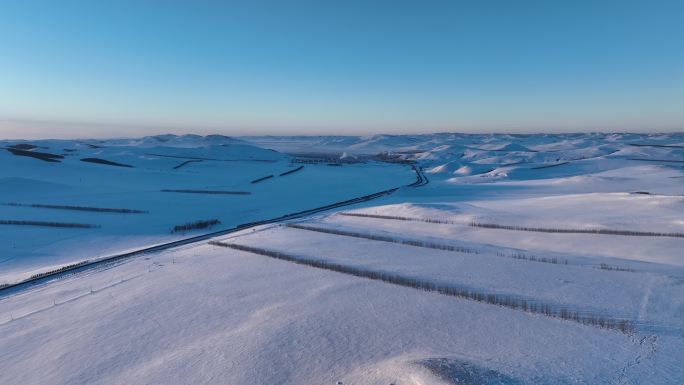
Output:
x,y
605,266
77,208
314,158
23,146
398,218
200,224
48,224
186,162
656,145
292,171
577,231
59,270
533,258
88,144
394,157
657,160
219,192
384,238
549,166
262,179
44,156
105,162
523,228
528,305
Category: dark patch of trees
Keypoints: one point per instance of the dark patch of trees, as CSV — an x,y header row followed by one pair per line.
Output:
x,y
77,208
605,266
657,160
523,228
23,146
186,162
44,156
88,144
656,145
397,218
533,258
383,238
200,224
292,171
48,224
105,162
262,179
329,159
59,270
577,231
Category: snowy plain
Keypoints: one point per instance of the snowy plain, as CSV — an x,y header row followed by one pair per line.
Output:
x,y
588,223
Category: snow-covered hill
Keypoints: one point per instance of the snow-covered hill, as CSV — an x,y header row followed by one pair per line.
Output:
x,y
132,192
499,259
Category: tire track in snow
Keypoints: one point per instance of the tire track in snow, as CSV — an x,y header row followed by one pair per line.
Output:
x,y
643,306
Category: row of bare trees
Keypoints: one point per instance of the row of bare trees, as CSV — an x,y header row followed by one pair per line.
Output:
x,y
524,228
59,270
385,238
478,295
577,231
77,208
200,224
48,224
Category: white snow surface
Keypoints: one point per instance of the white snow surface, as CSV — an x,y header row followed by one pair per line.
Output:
x,y
217,164
205,314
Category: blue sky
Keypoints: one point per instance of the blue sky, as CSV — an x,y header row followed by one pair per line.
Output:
x,y
113,68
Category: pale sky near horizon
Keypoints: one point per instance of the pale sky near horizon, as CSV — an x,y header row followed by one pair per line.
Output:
x,y
118,68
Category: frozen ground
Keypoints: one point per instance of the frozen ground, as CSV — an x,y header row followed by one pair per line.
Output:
x,y
591,225
219,164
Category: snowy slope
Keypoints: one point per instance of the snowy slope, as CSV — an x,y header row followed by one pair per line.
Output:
x,y
218,164
423,286
210,315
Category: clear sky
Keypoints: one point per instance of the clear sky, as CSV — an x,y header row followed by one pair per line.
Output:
x,y
113,68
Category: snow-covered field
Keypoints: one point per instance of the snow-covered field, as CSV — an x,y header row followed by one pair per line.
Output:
x,y
218,164
536,259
